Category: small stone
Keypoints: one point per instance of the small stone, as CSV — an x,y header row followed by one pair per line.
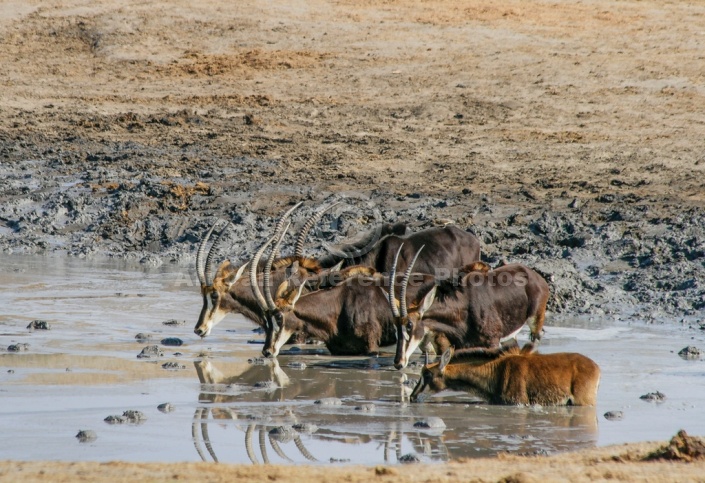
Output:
x,y
257,361
142,337
329,401
172,341
86,436
18,347
39,325
297,365
614,415
654,397
134,416
166,407
574,204
690,353
149,352
265,385
114,419
366,408
430,423
173,366
174,322
409,458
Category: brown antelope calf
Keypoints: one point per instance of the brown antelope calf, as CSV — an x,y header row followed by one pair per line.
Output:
x,y
514,376
481,309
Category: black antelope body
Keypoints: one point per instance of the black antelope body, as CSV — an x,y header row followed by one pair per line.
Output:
x,y
446,248
480,309
351,318
514,376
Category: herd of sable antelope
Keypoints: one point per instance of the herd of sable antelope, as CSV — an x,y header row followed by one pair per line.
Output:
x,y
449,302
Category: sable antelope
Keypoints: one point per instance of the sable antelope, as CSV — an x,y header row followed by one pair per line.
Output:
x,y
351,318
515,376
483,309
229,292
447,248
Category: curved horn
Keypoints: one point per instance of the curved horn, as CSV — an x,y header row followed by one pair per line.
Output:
x,y
253,276
215,247
201,251
392,280
301,239
280,224
268,271
405,282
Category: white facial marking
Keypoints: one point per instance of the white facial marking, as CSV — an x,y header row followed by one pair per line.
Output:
x,y
511,336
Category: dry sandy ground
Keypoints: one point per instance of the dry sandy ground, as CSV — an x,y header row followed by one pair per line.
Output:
x,y
616,463
529,101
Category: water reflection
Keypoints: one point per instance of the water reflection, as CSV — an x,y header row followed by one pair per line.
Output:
x,y
371,423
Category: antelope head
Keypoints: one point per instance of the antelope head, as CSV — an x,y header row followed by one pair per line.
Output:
x,y
410,330
432,375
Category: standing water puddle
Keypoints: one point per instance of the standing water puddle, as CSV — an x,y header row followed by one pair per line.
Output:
x,y
227,409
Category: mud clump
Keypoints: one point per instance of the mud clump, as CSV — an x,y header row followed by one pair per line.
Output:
x,y
39,325
329,401
86,436
657,397
409,459
149,352
166,407
22,347
614,415
366,408
283,434
142,337
173,366
690,353
174,322
681,448
430,423
307,428
172,341
130,416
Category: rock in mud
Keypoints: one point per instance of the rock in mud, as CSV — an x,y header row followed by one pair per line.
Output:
x,y
172,341
430,423
166,407
174,322
614,415
654,397
307,428
114,419
409,458
86,436
366,408
133,416
257,361
39,325
142,337
265,385
297,365
690,353
173,366
149,352
329,401
23,347
283,434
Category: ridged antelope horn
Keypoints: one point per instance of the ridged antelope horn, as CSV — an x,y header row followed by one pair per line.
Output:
x,y
201,251
215,247
280,224
253,276
405,282
392,280
301,239
268,271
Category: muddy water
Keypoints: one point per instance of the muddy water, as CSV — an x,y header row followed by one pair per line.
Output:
x,y
226,409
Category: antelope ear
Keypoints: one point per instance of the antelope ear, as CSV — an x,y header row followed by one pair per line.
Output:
x,y
337,266
427,301
282,290
293,268
445,359
235,276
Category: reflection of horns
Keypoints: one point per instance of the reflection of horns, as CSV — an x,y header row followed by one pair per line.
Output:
x,y
405,283
392,280
277,449
301,239
206,438
248,444
194,433
302,448
263,444
215,248
201,251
